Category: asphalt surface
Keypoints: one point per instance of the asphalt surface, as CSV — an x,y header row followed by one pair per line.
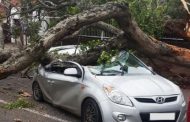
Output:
x,y
41,112
10,90
17,115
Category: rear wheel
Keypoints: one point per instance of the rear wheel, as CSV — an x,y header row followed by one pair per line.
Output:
x,y
91,111
37,92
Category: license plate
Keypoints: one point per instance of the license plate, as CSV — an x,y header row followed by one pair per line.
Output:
x,y
162,116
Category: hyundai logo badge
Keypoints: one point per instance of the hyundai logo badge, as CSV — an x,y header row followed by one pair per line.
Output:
x,y
160,100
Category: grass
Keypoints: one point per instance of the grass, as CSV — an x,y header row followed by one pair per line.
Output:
x,y
19,103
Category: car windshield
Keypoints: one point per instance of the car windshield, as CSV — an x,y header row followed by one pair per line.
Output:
x,y
123,64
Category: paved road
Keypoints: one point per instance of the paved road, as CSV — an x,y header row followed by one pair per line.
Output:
x,y
41,112
24,116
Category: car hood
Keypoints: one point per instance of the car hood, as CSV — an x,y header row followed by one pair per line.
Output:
x,y
140,85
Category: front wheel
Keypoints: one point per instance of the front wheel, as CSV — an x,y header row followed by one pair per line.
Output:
x,y
37,92
90,111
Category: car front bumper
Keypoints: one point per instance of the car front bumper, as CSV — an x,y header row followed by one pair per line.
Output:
x,y
112,112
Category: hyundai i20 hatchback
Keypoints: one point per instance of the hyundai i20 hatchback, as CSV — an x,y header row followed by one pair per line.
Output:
x,y
123,90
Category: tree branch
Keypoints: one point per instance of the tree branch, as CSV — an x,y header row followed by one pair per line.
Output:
x,y
150,46
64,29
4,55
55,6
108,28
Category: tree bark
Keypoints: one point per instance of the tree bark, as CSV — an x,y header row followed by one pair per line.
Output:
x,y
1,36
108,28
4,55
176,28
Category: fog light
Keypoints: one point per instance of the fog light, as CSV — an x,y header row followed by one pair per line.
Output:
x,y
121,117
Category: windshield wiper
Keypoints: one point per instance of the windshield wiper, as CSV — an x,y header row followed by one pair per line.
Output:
x,y
111,72
123,68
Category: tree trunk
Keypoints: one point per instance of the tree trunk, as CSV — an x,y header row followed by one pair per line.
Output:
x,y
1,37
176,28
150,46
4,55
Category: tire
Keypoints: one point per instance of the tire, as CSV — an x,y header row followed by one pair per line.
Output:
x,y
90,111
37,92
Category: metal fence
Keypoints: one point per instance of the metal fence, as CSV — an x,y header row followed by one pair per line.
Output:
x,y
91,33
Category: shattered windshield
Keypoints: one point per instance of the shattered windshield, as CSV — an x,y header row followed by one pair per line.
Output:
x,y
122,64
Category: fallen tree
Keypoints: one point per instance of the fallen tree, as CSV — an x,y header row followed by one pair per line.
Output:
x,y
152,47
175,28
63,29
130,34
4,55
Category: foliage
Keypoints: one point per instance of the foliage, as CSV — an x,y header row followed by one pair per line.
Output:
x,y
16,31
73,10
90,45
112,22
52,23
176,10
20,103
33,31
1,16
149,14
106,56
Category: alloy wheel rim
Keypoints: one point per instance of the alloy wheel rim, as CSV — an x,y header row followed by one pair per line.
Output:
x,y
37,91
90,113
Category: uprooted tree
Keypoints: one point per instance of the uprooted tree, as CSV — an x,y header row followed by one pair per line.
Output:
x,y
128,35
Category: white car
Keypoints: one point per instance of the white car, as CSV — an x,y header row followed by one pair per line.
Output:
x,y
124,90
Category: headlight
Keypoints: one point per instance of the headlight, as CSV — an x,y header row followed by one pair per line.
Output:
x,y
117,96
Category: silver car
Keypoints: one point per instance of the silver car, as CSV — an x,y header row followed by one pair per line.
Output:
x,y
122,90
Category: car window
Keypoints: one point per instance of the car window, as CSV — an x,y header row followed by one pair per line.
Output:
x,y
59,67
55,67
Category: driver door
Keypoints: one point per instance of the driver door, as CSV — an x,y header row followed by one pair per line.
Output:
x,y
65,88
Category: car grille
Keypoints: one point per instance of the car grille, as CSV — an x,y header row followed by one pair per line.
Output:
x,y
171,99
146,116
150,100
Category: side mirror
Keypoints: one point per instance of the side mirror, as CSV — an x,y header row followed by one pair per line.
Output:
x,y
71,72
